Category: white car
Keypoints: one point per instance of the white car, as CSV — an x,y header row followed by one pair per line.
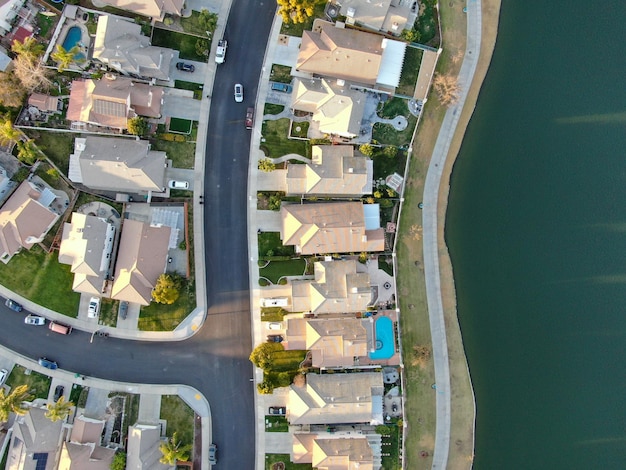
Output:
x,y
220,53
34,320
275,326
238,92
3,375
173,184
94,307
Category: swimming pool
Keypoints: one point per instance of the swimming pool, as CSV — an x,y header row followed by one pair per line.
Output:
x,y
384,339
72,37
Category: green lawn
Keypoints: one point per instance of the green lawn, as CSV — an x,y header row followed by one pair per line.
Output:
x,y
271,459
300,129
38,384
108,312
182,154
277,269
161,317
182,126
427,25
386,134
395,107
184,43
391,445
46,23
280,73
273,313
285,361
271,108
277,142
271,241
193,25
410,71
275,423
56,145
385,166
179,417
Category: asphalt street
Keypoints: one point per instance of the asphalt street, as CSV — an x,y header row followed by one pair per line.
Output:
x,y
215,360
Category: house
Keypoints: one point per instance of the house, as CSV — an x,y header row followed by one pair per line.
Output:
x,y
326,451
349,54
44,103
337,109
111,102
25,218
389,16
333,171
141,259
9,12
6,185
87,246
334,227
337,399
120,45
35,442
155,9
117,164
83,450
332,342
337,288
142,450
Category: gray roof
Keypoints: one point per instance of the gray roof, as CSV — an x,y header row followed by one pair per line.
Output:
x,y
143,448
33,434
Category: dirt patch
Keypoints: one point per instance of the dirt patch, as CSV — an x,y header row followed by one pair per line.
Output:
x,y
278,466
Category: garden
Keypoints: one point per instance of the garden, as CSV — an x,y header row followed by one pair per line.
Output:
x,y
275,271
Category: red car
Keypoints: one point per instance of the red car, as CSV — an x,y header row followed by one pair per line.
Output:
x,y
249,118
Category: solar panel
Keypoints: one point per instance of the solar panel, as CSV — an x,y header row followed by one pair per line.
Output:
x,y
41,459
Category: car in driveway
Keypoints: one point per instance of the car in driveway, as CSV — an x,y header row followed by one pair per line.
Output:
x,y
283,87
123,310
238,93
47,363
277,410
34,320
13,305
275,326
183,67
274,339
212,454
94,307
176,184
58,392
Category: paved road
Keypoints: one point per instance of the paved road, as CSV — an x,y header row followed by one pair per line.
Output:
x,y
215,360
431,246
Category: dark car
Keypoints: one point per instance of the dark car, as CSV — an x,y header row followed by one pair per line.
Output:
x,y
47,363
274,338
284,87
277,410
13,305
212,454
123,309
58,392
183,67
394,407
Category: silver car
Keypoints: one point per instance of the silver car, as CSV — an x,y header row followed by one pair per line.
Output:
x,y
238,92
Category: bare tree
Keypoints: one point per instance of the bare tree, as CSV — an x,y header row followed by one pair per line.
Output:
x,y
32,74
447,89
11,90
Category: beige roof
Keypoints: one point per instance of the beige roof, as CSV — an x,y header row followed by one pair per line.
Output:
x,y
86,245
141,259
342,454
143,448
337,288
24,221
120,44
44,102
75,456
342,53
336,227
376,14
334,170
34,433
110,102
425,76
155,9
87,430
336,342
117,164
337,398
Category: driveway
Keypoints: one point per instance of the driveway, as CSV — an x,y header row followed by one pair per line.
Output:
x,y
180,105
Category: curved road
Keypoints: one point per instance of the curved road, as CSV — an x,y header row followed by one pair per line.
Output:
x,y
215,360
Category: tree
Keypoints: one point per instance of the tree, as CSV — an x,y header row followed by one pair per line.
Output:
x,y
391,151
167,289
8,133
367,150
261,356
202,47
173,450
410,35
31,73
29,49
11,90
119,461
27,152
207,20
297,11
265,388
137,126
266,165
447,89
65,58
60,410
274,202
13,402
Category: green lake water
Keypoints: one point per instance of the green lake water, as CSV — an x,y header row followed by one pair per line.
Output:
x,y
536,229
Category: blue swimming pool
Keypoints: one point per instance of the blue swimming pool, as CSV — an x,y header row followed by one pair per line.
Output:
x,y
72,37
385,347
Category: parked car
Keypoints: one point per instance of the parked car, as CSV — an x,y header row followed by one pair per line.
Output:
x,y
13,305
249,118
238,92
394,407
173,184
94,307
212,454
277,410
275,326
34,320
220,53
275,338
284,87
47,363
123,311
183,67
3,375
58,392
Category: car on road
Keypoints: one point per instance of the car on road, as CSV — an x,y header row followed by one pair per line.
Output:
x,y
275,326
238,92
277,410
123,311
13,305
47,363
249,118
58,392
275,338
3,375
284,87
94,307
34,320
183,67
212,454
220,53
174,184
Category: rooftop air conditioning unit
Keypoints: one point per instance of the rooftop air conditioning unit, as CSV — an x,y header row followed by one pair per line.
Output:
x,y
351,12
341,82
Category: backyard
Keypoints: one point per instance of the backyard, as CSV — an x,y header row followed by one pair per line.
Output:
x,y
410,71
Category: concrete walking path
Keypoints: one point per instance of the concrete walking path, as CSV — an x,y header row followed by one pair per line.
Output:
x,y
431,246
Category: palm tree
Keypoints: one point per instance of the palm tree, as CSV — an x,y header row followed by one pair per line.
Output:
x,y
60,410
173,451
64,58
30,48
13,402
8,133
27,152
